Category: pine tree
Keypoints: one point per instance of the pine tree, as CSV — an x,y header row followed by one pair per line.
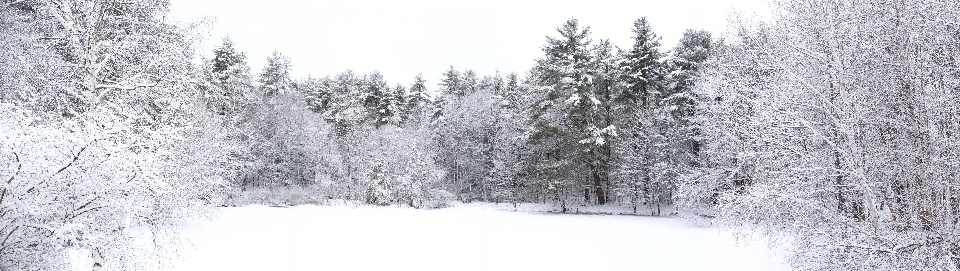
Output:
x,y
399,105
229,92
641,67
226,58
377,98
452,83
275,78
512,91
418,102
230,87
680,97
638,102
276,130
493,83
605,76
470,82
568,123
685,62
317,93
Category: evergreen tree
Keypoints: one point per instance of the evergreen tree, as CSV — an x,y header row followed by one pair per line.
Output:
x,y
230,85
377,98
452,83
685,62
642,71
226,58
605,81
399,104
638,104
493,83
567,128
317,93
512,91
275,78
277,131
418,102
230,92
470,82
680,98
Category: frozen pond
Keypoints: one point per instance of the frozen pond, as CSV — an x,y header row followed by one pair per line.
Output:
x,y
460,238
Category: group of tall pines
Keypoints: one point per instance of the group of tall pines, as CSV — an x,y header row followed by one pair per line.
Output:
x,y
590,124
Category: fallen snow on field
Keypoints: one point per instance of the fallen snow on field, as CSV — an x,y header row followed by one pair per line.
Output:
x,y
471,237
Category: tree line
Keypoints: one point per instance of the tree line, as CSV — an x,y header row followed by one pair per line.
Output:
x,y
550,136
833,126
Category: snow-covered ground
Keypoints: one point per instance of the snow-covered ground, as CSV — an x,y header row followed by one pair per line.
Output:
x,y
469,237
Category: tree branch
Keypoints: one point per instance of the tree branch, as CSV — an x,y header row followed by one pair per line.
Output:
x,y
3,244
15,174
75,157
120,87
84,211
16,158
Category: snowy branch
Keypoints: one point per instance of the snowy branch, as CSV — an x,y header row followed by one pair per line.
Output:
x,y
75,157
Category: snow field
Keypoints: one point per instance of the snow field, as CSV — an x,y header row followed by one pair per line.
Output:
x,y
470,237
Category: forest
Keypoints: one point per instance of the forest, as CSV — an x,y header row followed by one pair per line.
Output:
x,y
834,125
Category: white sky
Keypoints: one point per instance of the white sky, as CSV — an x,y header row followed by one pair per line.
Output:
x,y
404,38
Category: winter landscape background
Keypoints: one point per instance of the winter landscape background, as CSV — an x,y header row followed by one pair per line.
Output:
x,y
814,135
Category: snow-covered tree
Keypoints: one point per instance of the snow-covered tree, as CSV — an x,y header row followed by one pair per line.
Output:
x,y
378,98
230,88
375,156
672,129
464,136
281,130
275,78
641,125
569,118
452,83
833,126
419,105
230,94
99,117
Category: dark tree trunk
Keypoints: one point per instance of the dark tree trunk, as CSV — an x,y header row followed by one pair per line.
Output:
x,y
658,207
841,201
597,185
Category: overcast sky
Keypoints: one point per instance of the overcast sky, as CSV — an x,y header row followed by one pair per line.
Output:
x,y
404,38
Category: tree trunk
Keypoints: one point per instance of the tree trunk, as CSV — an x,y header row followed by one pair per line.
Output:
x,y
917,132
841,200
636,195
586,195
597,185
